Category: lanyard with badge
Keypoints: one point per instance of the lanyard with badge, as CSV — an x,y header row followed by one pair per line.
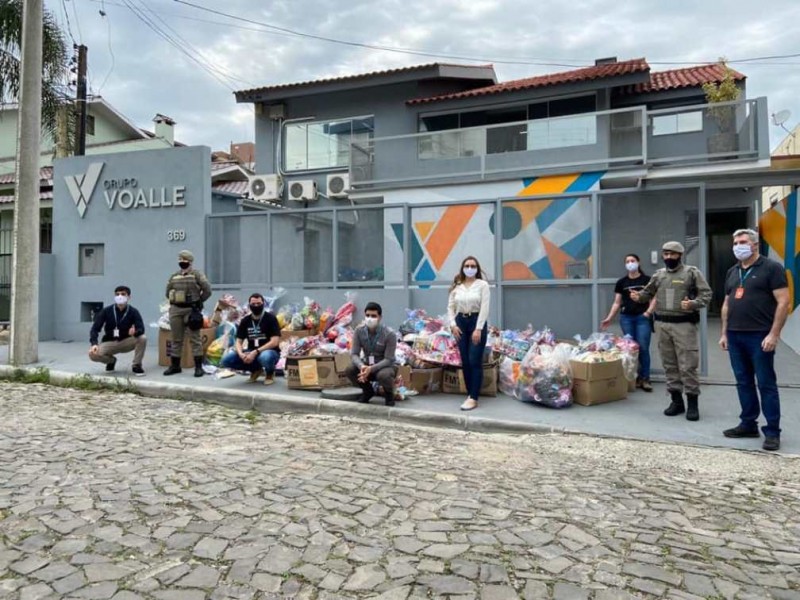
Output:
x,y
742,278
371,343
117,321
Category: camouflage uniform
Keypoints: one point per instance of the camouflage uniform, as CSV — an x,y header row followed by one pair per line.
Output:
x,y
184,291
677,328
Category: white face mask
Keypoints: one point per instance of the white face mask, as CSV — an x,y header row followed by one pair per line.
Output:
x,y
632,266
121,299
470,271
372,322
742,251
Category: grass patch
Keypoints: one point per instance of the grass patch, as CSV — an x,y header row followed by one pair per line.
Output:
x,y
39,375
78,382
251,416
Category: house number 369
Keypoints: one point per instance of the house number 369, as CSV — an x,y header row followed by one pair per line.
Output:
x,y
176,235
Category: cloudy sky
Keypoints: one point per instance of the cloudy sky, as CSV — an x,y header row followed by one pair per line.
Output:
x,y
141,73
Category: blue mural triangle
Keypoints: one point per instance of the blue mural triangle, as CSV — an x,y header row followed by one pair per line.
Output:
x,y
579,247
585,181
398,233
542,269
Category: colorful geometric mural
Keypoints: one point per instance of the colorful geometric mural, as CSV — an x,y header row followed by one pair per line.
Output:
x,y
540,237
779,230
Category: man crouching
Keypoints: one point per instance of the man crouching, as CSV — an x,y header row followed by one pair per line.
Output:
x,y
377,343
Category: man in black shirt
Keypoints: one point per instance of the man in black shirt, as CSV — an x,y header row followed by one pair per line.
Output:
x,y
123,331
257,339
753,314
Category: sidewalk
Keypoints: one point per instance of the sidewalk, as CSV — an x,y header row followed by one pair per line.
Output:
x,y
637,417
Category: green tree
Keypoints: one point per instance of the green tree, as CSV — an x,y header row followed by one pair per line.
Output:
x,y
55,61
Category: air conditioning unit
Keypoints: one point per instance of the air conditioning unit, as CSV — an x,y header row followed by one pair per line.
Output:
x,y
338,184
303,189
264,188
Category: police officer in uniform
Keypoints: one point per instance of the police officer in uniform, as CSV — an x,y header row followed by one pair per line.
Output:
x,y
680,291
186,289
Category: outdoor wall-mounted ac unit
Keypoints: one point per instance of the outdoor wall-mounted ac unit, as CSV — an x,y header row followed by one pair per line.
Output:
x,y
264,188
337,185
303,189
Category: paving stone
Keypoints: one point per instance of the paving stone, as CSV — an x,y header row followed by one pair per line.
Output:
x,y
448,584
266,582
180,595
105,572
535,590
445,551
29,565
652,572
210,548
97,591
70,583
35,591
498,592
201,576
279,560
568,591
54,571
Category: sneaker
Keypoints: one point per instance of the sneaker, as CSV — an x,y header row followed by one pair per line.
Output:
x,y
254,376
645,385
111,366
469,404
269,379
771,443
741,432
138,370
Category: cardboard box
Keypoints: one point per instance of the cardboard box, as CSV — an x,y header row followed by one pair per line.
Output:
x,y
632,385
187,359
287,335
453,380
317,372
423,381
596,383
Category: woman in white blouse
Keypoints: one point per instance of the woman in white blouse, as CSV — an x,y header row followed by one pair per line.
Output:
x,y
468,309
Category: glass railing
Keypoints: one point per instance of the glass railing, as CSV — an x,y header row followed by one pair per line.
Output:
x,y
599,140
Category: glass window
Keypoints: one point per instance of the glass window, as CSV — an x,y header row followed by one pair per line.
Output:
x,y
686,122
370,244
439,122
302,247
562,132
324,144
91,259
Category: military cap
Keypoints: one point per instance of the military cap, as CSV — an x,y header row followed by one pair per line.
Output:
x,y
186,255
673,247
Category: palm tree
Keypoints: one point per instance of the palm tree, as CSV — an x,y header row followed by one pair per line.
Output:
x,y
55,63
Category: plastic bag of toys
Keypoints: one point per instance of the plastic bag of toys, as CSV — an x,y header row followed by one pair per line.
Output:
x,y
545,377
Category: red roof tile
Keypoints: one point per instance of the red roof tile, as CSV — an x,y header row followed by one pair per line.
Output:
x,y
231,187
45,176
626,67
682,78
282,86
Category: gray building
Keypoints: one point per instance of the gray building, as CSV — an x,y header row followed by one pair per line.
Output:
x,y
383,182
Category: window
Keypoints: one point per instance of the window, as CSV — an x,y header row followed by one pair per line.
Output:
x,y
89,124
91,259
685,122
46,231
324,144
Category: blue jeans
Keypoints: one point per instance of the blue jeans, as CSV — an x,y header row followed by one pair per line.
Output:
x,y
750,363
266,360
638,327
471,354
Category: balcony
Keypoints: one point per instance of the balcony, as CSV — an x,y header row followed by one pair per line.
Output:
x,y
602,140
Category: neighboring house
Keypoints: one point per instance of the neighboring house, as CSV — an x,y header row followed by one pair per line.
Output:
x,y
788,148
549,180
108,132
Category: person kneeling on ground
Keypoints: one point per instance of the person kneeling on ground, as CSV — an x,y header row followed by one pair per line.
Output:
x,y
257,339
378,344
123,331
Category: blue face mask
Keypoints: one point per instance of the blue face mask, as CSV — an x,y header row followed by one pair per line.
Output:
x,y
470,271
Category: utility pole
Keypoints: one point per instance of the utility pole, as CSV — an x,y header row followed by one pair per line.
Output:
x,y
24,346
80,141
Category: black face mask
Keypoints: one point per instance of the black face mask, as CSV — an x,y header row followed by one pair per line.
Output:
x,y
672,263
184,265
256,309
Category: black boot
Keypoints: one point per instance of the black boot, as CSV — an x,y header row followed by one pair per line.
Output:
x,y
692,412
174,366
366,393
198,366
389,395
676,406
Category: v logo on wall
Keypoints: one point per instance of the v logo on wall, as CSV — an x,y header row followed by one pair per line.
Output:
x,y
81,187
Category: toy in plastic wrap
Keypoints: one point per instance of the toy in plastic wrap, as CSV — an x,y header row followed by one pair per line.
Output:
x,y
597,342
629,351
545,377
438,348
509,377
308,316
344,316
304,346
285,314
272,299
403,355
414,323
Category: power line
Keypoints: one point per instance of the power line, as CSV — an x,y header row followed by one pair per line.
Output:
x,y
69,25
104,15
77,21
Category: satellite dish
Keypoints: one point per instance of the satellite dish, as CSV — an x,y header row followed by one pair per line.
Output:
x,y
780,117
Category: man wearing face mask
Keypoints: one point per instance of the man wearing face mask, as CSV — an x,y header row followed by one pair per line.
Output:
x,y
378,344
680,291
257,339
753,314
123,331
186,290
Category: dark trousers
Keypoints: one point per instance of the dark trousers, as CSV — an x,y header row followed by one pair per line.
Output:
x,y
471,354
750,364
384,377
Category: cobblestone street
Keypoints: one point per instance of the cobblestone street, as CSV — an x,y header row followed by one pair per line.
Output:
x,y
116,496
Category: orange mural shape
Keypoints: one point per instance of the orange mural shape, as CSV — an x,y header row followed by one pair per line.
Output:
x,y
772,227
558,259
448,231
516,270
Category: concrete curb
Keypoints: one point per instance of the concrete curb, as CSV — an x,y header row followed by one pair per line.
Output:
x,y
272,403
